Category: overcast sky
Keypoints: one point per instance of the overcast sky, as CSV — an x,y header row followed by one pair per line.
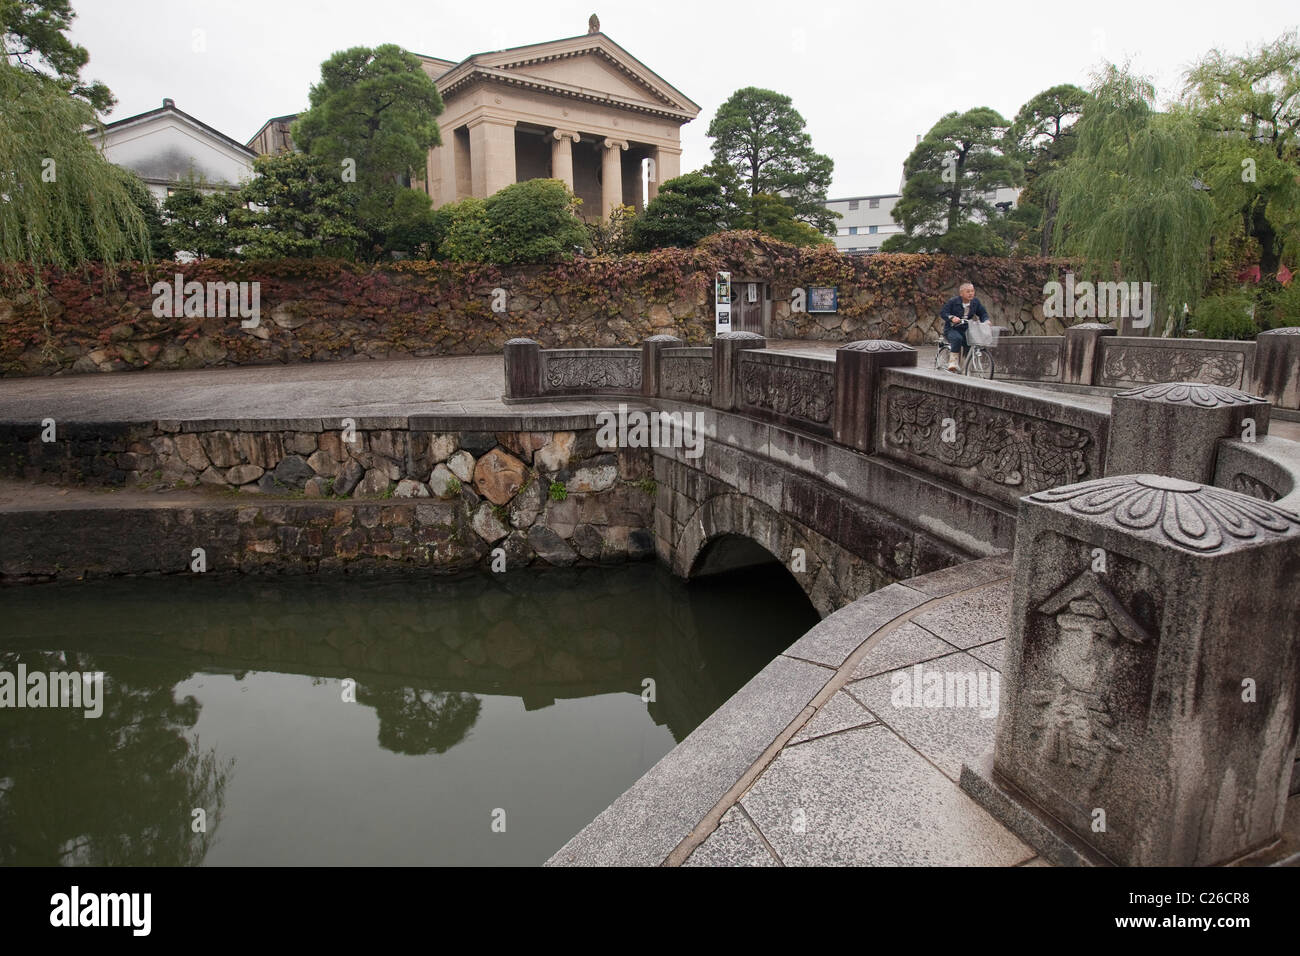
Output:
x,y
867,77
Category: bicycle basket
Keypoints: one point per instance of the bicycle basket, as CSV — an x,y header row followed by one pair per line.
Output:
x,y
983,334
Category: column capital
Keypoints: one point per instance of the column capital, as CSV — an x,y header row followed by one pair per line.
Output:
x,y
562,134
611,143
491,119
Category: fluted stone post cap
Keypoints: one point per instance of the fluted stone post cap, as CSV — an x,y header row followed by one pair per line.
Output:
x,y
522,342
876,345
1286,330
738,335
1195,394
1183,514
1174,428
662,338
1091,327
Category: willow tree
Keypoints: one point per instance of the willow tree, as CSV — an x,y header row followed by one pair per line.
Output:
x,y
1248,110
1128,200
61,203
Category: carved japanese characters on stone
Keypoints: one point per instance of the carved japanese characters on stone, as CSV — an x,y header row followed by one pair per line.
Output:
x,y
1255,487
1074,721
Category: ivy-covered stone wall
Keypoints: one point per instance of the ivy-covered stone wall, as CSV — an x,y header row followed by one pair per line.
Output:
x,y
322,310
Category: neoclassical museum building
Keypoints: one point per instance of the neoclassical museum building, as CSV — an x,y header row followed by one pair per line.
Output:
x,y
582,110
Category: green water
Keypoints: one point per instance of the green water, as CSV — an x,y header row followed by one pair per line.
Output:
x,y
493,716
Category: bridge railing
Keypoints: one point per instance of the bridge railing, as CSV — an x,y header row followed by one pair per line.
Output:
x,y
997,439
1092,354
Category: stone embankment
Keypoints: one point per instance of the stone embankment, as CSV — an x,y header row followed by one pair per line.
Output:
x,y
298,495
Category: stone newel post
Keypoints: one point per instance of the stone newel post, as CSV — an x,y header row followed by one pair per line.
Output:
x,y
1150,678
1277,366
725,347
650,349
857,382
523,364
1174,429
1082,364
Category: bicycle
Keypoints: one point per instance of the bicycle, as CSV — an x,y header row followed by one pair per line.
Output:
x,y
976,360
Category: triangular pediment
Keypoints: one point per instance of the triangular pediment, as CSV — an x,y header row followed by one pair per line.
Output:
x,y
591,65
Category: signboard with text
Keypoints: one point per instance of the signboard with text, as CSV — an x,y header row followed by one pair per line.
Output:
x,y
722,303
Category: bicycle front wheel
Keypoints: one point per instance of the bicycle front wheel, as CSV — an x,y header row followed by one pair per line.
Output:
x,y
981,364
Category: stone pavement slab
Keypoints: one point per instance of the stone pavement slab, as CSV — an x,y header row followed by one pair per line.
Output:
x,y
841,712
734,843
945,735
980,618
866,798
907,644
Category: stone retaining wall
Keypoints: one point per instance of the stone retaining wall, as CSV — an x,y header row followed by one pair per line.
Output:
x,y
323,310
445,499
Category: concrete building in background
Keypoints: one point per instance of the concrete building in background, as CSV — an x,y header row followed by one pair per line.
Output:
x,y
866,221
582,110
167,147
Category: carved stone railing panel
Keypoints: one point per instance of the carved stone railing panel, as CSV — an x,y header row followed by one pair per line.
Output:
x,y
795,389
686,374
1001,444
1266,468
594,371
1029,358
1128,361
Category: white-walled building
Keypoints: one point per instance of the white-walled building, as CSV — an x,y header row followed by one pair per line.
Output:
x,y
167,146
866,221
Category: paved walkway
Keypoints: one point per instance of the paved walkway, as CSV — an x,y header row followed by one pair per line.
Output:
x,y
814,762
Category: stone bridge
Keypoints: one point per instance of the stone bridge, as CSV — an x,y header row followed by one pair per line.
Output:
x,y
861,468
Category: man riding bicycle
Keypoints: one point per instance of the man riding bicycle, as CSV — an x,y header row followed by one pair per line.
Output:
x,y
956,314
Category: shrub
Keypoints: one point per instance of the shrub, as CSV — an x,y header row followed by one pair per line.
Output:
x,y
533,221
558,492
1226,315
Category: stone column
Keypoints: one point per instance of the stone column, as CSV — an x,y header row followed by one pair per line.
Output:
x,y
562,141
1277,366
1082,365
668,165
523,366
491,154
1148,706
611,175
1174,428
725,347
650,350
857,382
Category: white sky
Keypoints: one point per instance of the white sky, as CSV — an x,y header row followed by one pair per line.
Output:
x,y
868,77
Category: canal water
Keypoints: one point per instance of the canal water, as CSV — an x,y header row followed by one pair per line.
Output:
x,y
338,720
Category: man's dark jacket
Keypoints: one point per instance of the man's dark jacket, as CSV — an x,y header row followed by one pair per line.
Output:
x,y
954,307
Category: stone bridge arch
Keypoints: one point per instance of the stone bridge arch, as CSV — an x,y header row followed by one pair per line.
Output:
x,y
829,575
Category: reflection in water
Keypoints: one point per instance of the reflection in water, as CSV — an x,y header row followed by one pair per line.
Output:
x,y
138,745
516,692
